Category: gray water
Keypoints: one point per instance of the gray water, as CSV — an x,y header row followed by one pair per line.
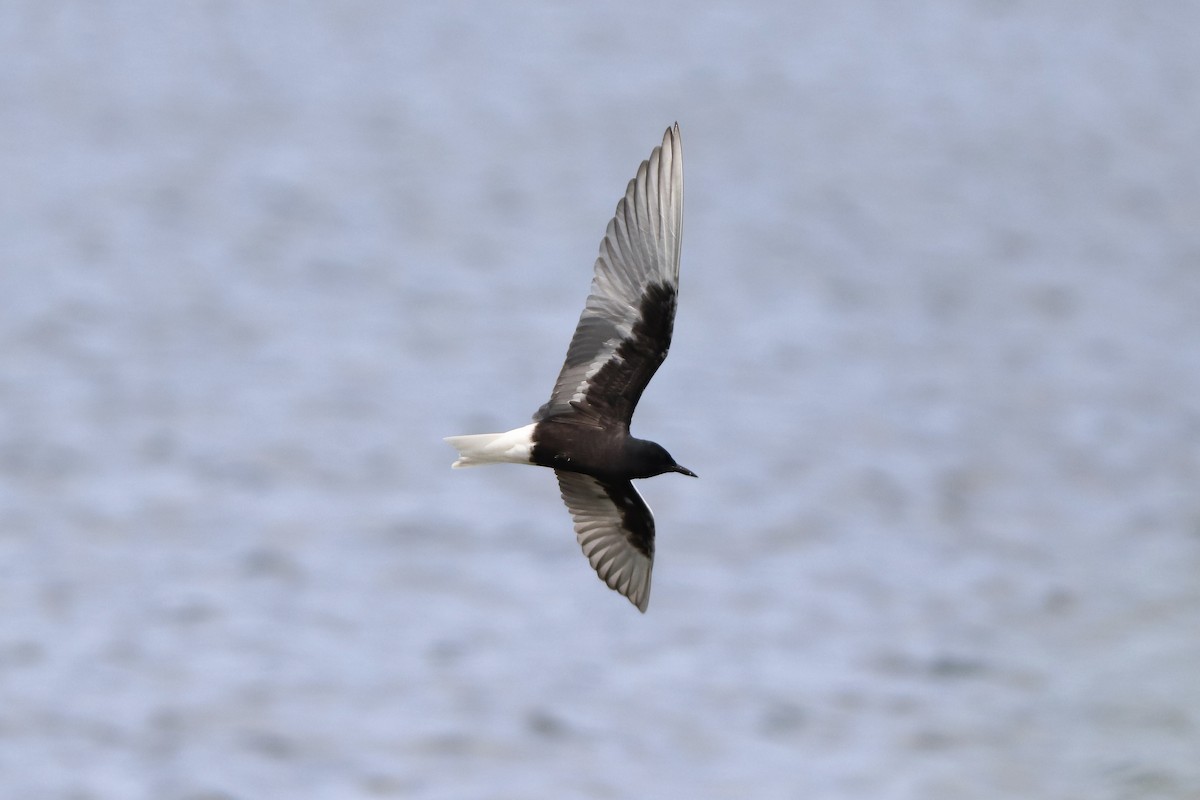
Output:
x,y
937,363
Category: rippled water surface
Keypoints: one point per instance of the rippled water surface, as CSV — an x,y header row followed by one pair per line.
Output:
x,y
937,362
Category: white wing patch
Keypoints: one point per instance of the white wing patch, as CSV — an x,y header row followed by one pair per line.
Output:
x,y
598,364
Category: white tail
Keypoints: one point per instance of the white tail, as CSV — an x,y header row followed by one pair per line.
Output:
x,y
476,449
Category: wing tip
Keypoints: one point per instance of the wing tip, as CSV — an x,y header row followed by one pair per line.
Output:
x,y
641,605
672,138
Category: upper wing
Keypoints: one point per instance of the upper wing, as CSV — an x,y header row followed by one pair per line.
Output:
x,y
625,328
616,531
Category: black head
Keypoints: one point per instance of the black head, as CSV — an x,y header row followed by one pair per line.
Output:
x,y
646,459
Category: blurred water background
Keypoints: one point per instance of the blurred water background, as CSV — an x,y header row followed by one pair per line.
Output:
x,y
937,363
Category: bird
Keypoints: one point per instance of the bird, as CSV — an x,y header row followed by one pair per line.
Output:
x,y
622,338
